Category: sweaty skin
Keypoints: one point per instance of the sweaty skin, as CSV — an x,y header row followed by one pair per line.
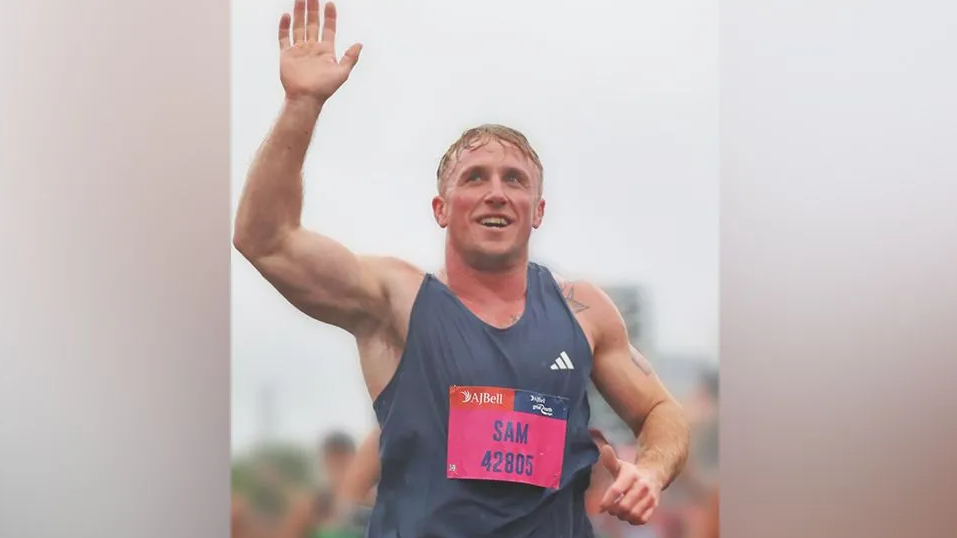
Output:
x,y
371,297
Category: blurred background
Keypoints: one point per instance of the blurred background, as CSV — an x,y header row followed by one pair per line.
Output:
x,y
625,119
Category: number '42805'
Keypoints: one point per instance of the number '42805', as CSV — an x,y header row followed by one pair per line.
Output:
x,y
508,462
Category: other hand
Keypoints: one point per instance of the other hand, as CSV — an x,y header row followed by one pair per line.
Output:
x,y
634,494
308,67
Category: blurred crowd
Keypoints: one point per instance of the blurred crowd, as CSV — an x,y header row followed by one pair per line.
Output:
x,y
287,491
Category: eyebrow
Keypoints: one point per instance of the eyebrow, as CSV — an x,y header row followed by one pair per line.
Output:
x,y
484,169
518,171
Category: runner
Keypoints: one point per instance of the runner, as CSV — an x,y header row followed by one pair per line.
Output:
x,y
478,373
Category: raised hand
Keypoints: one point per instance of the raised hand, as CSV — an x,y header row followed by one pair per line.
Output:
x,y
308,67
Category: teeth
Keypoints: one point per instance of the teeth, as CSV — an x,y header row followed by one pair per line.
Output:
x,y
494,221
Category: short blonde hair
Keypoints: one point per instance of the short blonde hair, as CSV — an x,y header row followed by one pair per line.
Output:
x,y
477,137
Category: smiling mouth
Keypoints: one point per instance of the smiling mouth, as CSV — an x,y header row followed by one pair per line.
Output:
x,y
494,222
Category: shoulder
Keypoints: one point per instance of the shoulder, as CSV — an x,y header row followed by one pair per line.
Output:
x,y
590,304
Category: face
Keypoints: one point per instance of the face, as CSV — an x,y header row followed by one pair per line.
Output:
x,y
490,204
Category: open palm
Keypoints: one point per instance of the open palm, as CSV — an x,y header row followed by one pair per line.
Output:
x,y
308,66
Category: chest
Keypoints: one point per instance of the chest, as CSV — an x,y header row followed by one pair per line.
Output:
x,y
500,315
545,349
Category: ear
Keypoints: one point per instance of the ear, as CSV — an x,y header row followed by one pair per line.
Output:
x,y
539,214
438,211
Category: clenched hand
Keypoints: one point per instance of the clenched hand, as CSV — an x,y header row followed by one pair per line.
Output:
x,y
634,494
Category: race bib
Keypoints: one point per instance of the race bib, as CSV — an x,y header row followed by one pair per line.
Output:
x,y
507,435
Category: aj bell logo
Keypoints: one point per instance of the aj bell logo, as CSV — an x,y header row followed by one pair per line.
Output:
x,y
481,398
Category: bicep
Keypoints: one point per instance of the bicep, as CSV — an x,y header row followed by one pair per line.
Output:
x,y
624,376
324,279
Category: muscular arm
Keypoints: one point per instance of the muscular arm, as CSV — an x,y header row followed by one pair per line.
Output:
x,y
626,380
271,204
662,430
316,274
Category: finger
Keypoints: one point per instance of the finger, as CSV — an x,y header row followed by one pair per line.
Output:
x,y
636,507
646,516
312,20
598,437
621,486
636,497
299,21
609,501
284,23
351,57
640,516
329,24
609,460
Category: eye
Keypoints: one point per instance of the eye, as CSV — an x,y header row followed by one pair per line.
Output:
x,y
513,177
474,175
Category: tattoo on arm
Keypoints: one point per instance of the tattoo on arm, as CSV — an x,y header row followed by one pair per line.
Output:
x,y
640,361
568,292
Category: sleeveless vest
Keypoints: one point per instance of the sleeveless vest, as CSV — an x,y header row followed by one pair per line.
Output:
x,y
538,368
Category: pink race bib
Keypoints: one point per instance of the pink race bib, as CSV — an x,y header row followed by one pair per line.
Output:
x,y
506,435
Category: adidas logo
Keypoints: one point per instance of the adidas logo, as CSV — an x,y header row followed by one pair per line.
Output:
x,y
563,363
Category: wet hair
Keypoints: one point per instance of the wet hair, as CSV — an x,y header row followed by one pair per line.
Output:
x,y
477,137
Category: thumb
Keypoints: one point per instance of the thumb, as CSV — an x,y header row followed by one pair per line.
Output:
x,y
609,459
351,57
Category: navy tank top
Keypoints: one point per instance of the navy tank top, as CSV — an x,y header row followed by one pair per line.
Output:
x,y
547,352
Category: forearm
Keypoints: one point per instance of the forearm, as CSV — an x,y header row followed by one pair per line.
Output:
x,y
271,203
663,442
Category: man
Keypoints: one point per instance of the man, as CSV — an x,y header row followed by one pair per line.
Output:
x,y
336,452
478,374
362,475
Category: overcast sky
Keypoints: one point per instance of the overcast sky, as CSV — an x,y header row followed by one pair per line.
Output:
x,y
619,99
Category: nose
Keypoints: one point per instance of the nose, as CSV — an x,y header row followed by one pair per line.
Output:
x,y
496,192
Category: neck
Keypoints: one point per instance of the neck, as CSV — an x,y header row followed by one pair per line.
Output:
x,y
509,283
